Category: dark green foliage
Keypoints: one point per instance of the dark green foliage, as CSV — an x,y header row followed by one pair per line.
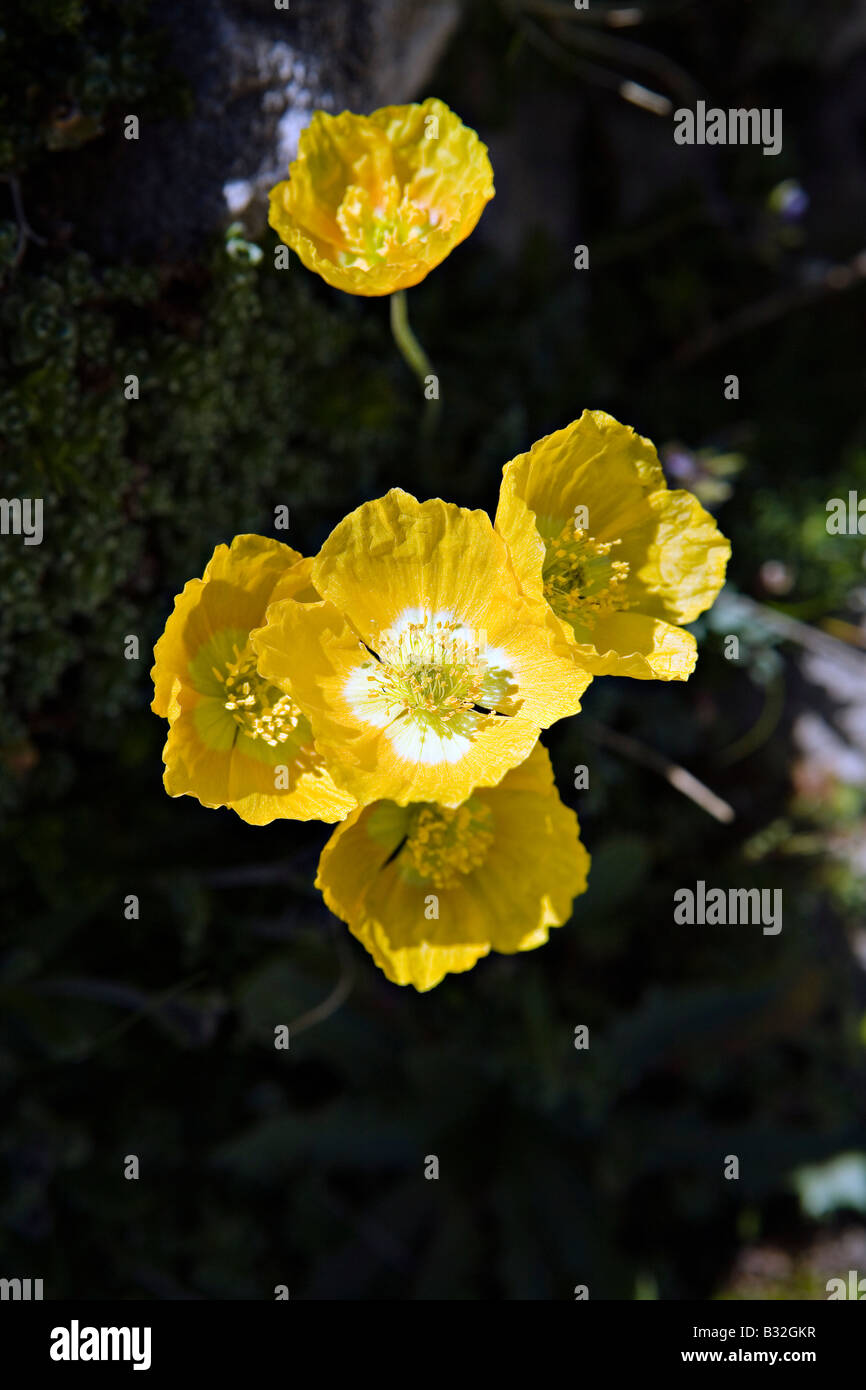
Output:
x,y
66,64
232,419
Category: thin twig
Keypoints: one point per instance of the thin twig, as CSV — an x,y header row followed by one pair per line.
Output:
x,y
280,871
565,58
25,231
619,50
338,996
738,606
771,308
106,991
678,777
763,727
561,50
611,15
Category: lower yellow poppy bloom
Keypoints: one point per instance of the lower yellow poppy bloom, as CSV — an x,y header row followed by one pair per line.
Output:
x,y
373,203
428,890
618,559
423,671
234,739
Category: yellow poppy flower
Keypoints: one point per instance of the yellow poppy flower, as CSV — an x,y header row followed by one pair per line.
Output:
x,y
234,740
617,559
423,672
428,890
373,203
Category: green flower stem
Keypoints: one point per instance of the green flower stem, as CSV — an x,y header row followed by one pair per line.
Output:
x,y
411,350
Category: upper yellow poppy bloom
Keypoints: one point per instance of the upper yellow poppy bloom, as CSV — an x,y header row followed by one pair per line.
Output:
x,y
616,558
233,739
373,203
423,671
428,890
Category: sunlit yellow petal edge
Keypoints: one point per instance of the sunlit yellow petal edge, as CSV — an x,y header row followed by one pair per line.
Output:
x,y
304,209
235,779
673,555
392,567
251,563
208,754
533,870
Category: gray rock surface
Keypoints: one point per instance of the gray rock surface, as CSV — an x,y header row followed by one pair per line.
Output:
x,y
256,74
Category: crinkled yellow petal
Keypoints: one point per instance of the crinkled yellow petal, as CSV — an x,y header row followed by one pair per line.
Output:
x,y
423,964
388,915
407,945
171,655
251,562
673,550
208,757
440,162
374,203
534,870
243,575
594,462
636,645
679,558
537,864
397,557
392,562
312,653
297,583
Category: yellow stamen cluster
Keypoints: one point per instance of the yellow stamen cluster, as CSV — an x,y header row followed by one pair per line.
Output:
x,y
373,224
429,672
581,582
442,843
260,709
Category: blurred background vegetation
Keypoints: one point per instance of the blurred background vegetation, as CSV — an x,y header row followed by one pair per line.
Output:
x,y
258,388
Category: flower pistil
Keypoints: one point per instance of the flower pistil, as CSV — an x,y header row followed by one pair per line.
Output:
x,y
429,671
580,580
259,708
445,843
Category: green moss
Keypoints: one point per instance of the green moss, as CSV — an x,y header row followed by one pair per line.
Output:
x,y
66,64
235,415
